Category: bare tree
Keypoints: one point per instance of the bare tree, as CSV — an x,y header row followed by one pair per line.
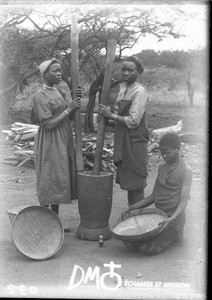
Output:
x,y
96,28
191,64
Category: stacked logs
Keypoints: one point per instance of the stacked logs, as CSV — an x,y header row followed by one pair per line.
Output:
x,y
89,147
23,140
23,135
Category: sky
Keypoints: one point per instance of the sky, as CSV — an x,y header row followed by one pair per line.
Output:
x,y
194,26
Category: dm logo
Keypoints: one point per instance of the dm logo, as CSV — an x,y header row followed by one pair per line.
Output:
x,y
101,280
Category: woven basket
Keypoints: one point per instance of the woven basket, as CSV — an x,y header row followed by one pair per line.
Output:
x,y
37,232
12,212
147,223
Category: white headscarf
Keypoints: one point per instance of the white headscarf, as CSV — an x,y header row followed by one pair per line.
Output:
x,y
44,65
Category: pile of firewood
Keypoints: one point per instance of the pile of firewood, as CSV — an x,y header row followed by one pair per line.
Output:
x,y
23,140
157,133
23,136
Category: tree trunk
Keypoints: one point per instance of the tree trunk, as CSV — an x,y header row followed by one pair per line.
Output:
x,y
192,98
89,127
94,88
111,51
190,92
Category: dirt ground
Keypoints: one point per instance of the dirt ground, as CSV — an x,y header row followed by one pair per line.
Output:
x,y
178,273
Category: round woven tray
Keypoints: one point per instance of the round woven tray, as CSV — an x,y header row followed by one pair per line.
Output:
x,y
37,232
145,227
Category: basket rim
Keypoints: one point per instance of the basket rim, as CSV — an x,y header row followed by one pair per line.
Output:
x,y
133,213
50,212
10,210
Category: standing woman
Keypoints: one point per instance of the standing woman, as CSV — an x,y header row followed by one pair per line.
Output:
x,y
54,146
131,133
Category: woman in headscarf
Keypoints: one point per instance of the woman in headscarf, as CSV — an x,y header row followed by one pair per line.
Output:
x,y
54,146
131,133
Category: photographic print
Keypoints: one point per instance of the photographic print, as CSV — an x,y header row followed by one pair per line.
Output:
x,y
104,149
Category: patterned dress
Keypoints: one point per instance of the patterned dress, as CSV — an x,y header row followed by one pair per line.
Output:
x,y
54,150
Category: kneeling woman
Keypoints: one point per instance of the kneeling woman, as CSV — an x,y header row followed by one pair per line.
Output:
x,y
54,146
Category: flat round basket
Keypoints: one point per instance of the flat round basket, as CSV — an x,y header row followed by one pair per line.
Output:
x,y
138,225
37,232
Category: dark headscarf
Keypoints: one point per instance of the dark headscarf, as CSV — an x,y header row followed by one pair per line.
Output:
x,y
137,62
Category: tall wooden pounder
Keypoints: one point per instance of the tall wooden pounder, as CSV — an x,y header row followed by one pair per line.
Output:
x,y
75,85
95,188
